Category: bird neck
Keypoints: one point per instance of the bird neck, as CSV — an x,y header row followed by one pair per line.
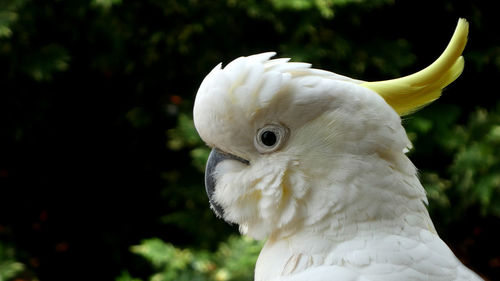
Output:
x,y
377,195
324,244
354,200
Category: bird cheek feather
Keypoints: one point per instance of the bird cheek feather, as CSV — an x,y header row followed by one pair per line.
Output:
x,y
264,197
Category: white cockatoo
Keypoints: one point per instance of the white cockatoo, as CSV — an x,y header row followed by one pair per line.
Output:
x,y
315,162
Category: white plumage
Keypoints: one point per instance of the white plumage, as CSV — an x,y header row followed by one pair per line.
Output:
x,y
315,162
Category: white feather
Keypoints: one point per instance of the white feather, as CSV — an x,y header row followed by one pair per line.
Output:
x,y
340,200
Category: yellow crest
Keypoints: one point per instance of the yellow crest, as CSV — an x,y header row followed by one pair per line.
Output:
x,y
408,94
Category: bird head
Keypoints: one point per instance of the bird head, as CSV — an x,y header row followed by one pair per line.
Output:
x,y
292,145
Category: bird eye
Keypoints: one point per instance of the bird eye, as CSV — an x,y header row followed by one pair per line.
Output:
x,y
270,138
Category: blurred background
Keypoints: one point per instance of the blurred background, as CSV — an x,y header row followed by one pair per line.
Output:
x,y
101,169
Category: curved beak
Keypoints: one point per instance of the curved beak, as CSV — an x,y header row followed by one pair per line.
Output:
x,y
216,156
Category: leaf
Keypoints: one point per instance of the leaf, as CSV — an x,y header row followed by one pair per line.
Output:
x,y
9,15
9,267
162,254
125,276
184,134
234,260
42,64
105,4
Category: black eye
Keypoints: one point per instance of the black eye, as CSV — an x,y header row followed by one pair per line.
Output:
x,y
268,138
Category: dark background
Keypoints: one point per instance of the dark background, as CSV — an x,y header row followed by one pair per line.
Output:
x,y
93,157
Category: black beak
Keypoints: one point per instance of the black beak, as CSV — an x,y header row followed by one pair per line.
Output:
x,y
215,157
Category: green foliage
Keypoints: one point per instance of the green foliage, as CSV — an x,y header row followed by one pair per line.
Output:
x,y
472,177
326,8
184,135
234,260
50,59
138,117
125,276
9,15
9,266
106,4
476,165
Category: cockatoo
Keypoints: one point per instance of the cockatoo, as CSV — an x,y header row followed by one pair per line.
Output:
x,y
315,162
